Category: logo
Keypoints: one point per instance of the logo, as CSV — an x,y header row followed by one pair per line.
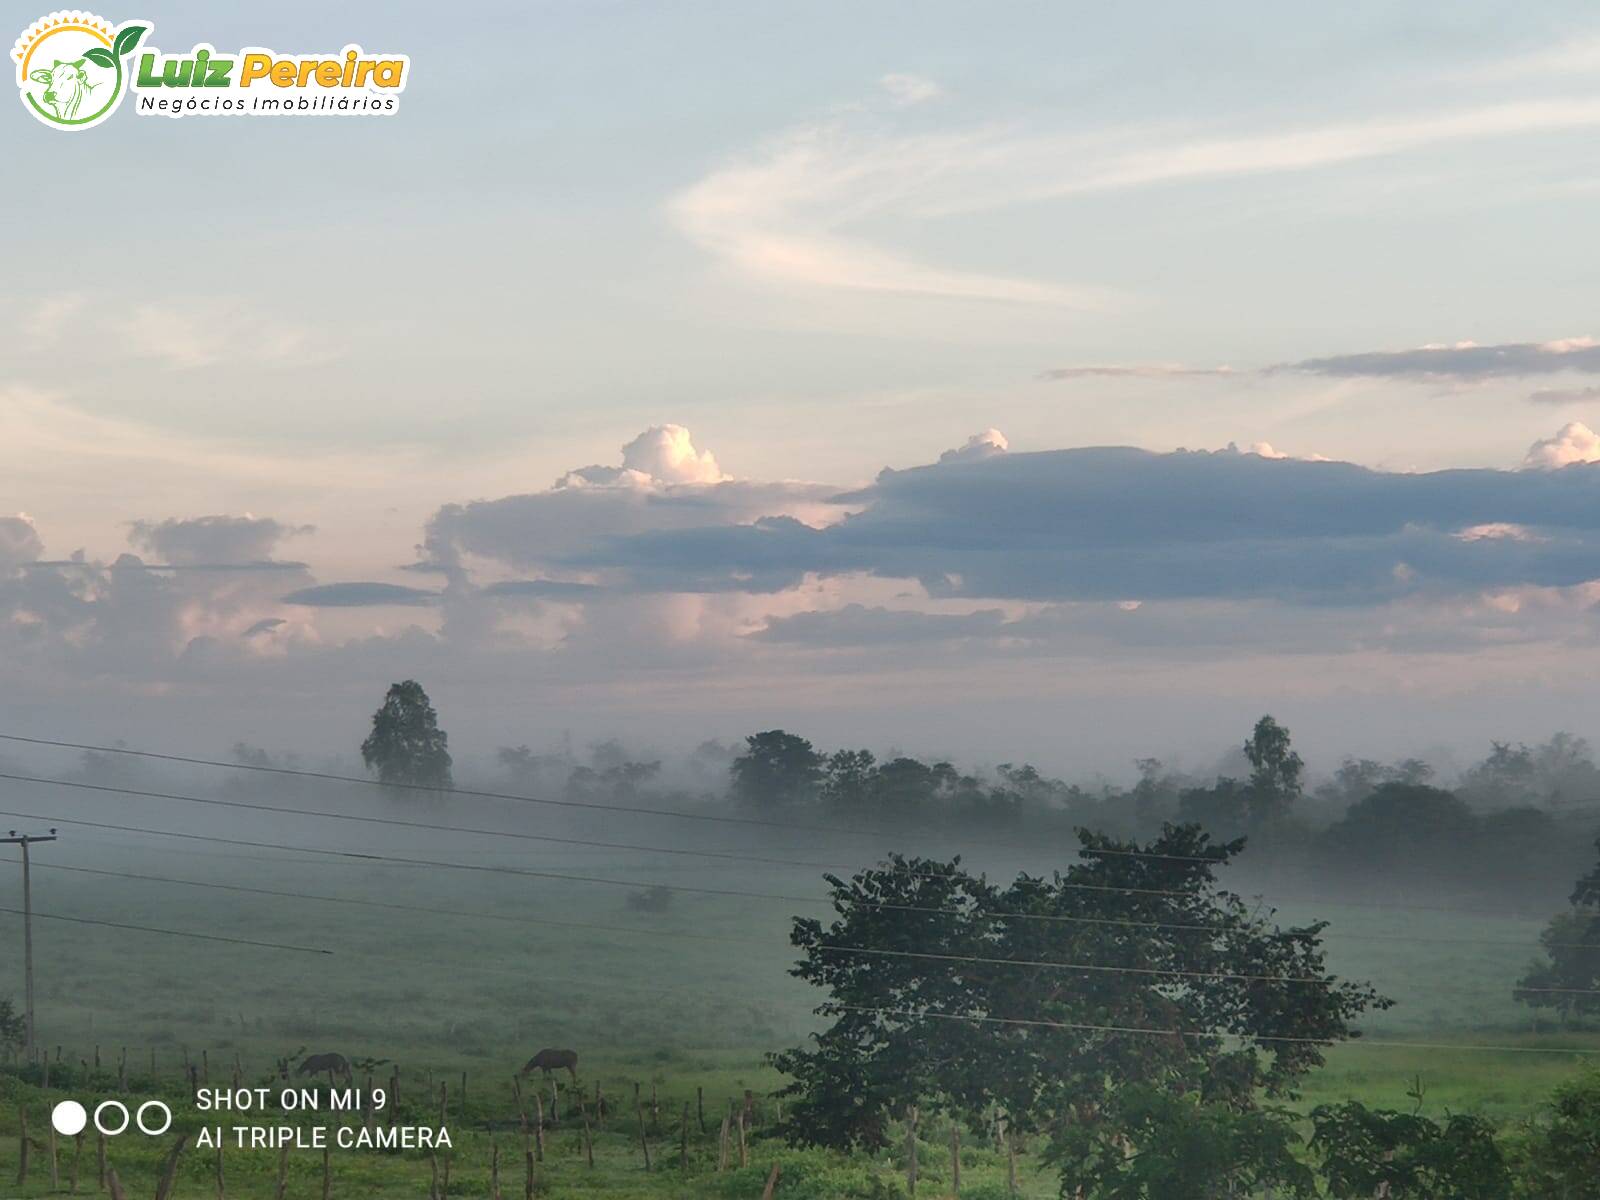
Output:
x,y
71,68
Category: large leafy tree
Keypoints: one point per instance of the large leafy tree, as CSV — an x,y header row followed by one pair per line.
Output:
x,y
1275,772
406,745
1568,979
1046,996
776,769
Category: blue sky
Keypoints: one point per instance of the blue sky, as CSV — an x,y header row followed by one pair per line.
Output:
x,y
804,244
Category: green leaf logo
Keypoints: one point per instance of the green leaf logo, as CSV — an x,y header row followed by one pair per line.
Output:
x,y
100,57
127,39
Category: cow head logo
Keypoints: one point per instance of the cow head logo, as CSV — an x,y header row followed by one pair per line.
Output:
x,y
71,69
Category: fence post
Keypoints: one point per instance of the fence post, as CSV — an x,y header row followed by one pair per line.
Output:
x,y
538,1128
169,1170
222,1190
283,1173
327,1174
22,1149
494,1169
700,1106
77,1153
100,1159
955,1158
683,1140
644,1142
772,1183
722,1146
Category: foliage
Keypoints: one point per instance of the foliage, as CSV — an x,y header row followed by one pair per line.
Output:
x,y
1036,1016
13,1027
1367,1152
1275,771
406,745
1560,1157
1568,980
1153,1145
776,769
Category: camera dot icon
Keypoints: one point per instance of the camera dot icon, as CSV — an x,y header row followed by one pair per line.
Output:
x,y
69,1118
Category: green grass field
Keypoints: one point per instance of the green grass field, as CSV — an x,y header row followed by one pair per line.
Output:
x,y
468,973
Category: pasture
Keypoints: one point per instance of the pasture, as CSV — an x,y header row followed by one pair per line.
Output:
x,y
456,976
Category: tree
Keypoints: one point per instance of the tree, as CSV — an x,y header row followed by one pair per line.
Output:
x,y
406,745
1376,1152
1155,1145
1047,996
1275,770
848,779
12,1027
777,769
1568,980
1560,1155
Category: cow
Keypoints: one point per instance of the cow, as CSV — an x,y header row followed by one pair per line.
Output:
x,y
66,86
333,1064
553,1060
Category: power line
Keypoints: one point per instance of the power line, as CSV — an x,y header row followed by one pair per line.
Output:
x,y
584,805
627,846
571,877
595,927
1249,1037
206,937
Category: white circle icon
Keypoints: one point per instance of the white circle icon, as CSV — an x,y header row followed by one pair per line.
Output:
x,y
112,1104
165,1111
69,1117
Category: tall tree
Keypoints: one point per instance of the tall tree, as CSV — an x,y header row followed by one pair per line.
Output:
x,y
776,769
406,745
1047,996
1275,770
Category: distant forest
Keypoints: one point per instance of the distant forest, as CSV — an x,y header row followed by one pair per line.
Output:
x,y
1517,825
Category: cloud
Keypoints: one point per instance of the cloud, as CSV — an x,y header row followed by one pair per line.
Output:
x,y
664,482
265,625
189,337
213,539
907,90
1138,371
977,447
815,205
1575,442
1114,524
859,625
19,541
1557,396
1462,361
361,595
662,454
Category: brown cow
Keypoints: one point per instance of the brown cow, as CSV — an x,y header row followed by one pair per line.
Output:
x,y
333,1064
553,1060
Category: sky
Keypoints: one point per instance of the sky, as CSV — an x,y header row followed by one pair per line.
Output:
x,y
1045,382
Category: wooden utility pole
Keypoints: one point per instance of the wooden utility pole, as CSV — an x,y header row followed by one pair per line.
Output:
x,y
25,840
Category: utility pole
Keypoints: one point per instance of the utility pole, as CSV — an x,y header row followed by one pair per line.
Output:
x,y
25,840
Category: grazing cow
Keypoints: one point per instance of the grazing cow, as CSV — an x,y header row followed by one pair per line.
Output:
x,y
333,1064
553,1060
66,86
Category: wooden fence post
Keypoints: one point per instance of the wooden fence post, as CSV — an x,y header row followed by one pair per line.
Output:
x,y
644,1142
327,1173
722,1145
77,1153
683,1140
955,1158
700,1106
527,1183
100,1159
494,1169
169,1169
222,1189
22,1149
55,1178
744,1146
772,1183
115,1186
588,1140
538,1127
122,1071
444,1102
283,1173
